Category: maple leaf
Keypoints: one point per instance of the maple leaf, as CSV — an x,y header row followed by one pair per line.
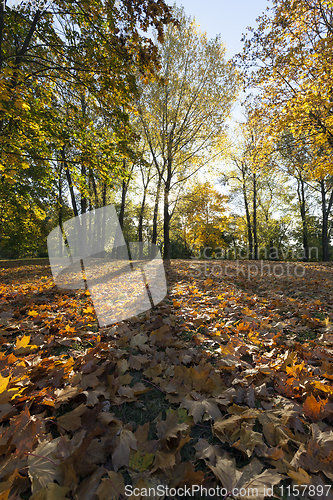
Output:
x,y
43,464
89,485
229,429
88,310
112,487
314,409
301,477
170,427
200,406
4,381
141,462
52,491
248,439
248,478
71,421
138,340
205,450
22,342
164,460
33,314
318,454
124,442
226,471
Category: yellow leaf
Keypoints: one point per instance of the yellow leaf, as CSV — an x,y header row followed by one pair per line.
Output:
x,y
301,477
3,383
33,314
88,310
23,342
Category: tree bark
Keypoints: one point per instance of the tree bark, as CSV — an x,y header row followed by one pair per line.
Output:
x,y
255,235
302,205
83,196
248,217
140,228
69,180
122,205
325,214
166,225
155,218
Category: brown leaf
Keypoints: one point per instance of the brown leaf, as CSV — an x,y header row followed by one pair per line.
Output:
x,y
205,450
164,461
125,441
248,439
51,492
225,470
71,421
169,428
112,487
200,407
262,485
43,464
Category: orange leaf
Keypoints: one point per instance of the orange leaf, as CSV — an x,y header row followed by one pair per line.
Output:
x,y
313,408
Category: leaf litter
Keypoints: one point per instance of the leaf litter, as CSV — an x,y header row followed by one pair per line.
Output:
x,y
227,382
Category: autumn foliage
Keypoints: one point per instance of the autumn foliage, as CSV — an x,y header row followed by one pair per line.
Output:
x,y
227,382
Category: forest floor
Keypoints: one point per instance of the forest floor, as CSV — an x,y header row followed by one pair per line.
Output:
x,y
225,386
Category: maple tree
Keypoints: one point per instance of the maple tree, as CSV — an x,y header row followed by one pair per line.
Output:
x,y
68,78
288,59
202,218
183,114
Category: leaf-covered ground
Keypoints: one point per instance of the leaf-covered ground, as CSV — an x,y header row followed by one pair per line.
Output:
x,y
227,383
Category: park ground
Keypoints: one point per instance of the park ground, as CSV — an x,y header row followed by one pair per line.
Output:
x,y
227,382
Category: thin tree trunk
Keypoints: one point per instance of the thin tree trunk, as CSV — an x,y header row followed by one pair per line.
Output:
x,y
255,235
83,196
93,182
155,218
248,220
166,225
122,206
324,229
60,210
125,185
70,184
104,194
140,228
302,205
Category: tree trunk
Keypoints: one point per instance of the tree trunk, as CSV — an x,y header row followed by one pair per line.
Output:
x,y
69,180
60,221
166,225
155,218
255,236
248,221
324,227
122,206
83,195
140,228
302,204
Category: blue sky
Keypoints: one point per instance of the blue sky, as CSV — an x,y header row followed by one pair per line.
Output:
x,y
230,18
